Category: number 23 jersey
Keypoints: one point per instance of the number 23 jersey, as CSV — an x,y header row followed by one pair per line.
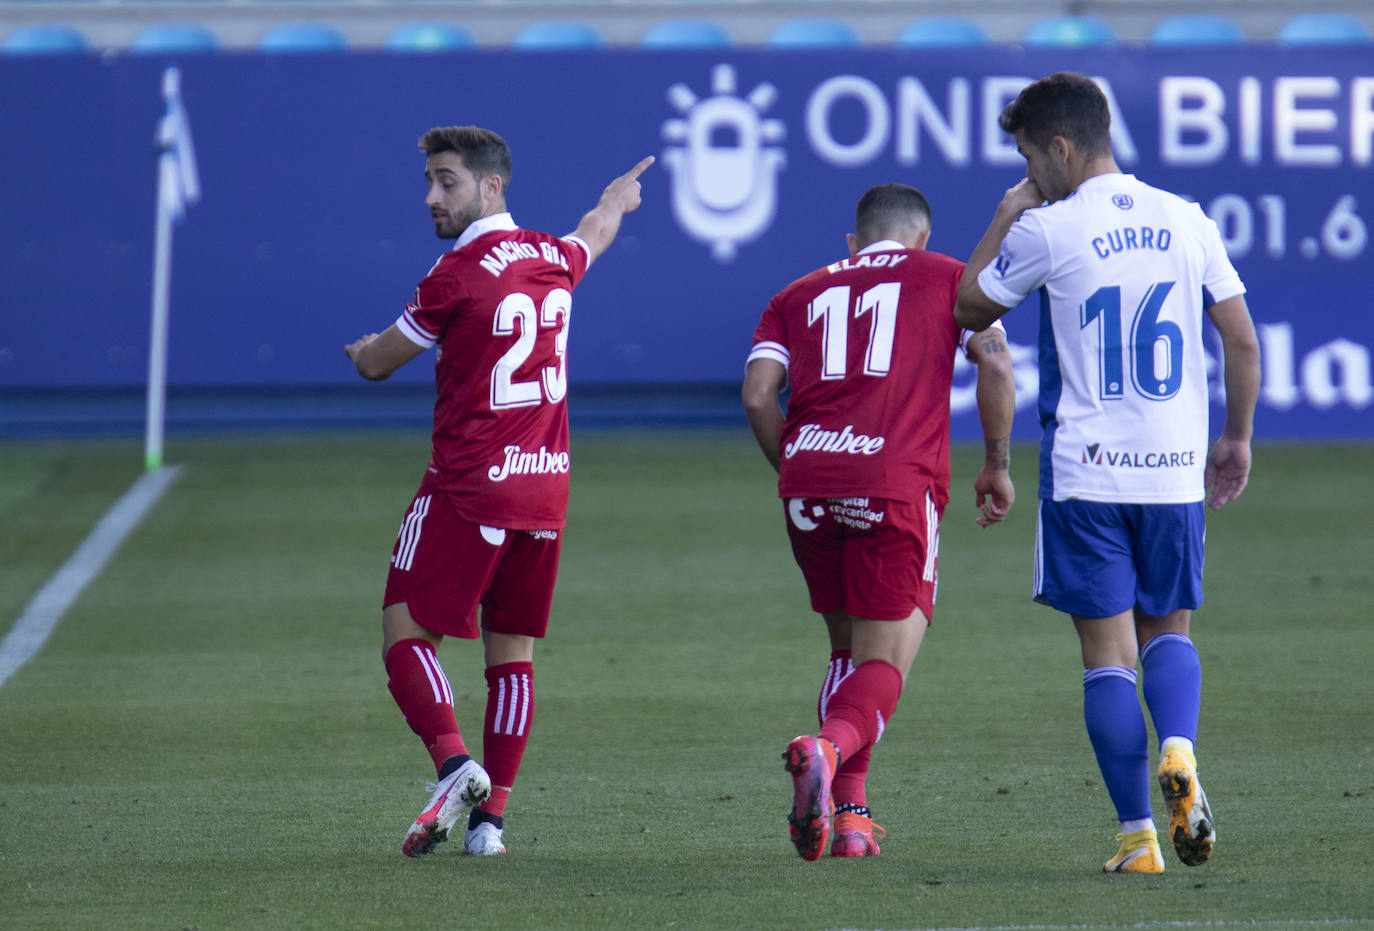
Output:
x,y
497,309
1124,272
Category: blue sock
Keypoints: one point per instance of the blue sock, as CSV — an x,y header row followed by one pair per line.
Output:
x,y
1173,685
1116,727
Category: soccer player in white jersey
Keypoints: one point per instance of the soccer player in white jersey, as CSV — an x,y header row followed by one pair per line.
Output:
x,y
867,346
1125,273
483,531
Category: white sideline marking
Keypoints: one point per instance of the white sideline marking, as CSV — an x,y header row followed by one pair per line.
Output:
x,y
1223,923
41,615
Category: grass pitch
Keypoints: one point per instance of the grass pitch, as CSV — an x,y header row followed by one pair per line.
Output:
x,y
207,740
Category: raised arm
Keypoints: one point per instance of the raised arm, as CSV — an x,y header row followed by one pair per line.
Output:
x,y
602,222
764,380
1228,461
975,310
377,356
996,406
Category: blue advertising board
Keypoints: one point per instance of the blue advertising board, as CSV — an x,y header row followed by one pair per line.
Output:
x,y
312,228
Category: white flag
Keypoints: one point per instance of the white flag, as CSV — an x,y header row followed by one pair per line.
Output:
x,y
178,184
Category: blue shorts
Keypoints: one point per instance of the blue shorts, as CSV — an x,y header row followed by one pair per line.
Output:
x,y
1096,559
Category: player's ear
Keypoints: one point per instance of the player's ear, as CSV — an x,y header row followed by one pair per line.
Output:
x,y
1060,148
493,186
852,242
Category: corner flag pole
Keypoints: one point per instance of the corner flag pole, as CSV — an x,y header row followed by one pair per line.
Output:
x,y
178,185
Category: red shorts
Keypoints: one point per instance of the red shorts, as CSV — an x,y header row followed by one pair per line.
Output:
x,y
871,558
443,567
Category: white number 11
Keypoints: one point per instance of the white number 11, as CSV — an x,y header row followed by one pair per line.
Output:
x,y
831,307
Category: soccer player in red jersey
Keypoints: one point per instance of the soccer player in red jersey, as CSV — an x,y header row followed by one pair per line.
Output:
x,y
868,346
484,528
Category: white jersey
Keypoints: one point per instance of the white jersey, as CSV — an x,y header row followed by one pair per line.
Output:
x,y
1124,271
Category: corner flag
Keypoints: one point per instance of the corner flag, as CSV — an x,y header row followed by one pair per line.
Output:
x,y
178,186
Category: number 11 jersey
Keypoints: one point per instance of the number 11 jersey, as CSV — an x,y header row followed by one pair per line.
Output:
x,y
869,345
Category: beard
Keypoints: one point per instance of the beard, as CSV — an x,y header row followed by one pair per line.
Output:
x,y
450,225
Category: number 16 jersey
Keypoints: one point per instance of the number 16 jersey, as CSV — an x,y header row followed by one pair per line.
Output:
x,y
1124,272
497,309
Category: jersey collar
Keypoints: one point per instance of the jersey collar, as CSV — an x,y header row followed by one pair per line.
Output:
x,y
497,221
1109,178
883,245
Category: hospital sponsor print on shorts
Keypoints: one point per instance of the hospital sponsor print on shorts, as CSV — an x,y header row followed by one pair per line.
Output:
x,y
444,567
1098,559
868,557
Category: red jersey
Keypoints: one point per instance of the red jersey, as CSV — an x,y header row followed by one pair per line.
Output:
x,y
869,346
497,307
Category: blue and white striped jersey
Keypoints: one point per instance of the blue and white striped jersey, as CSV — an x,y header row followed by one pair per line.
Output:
x,y
1125,272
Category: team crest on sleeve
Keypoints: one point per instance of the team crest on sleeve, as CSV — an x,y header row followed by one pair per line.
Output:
x,y
1003,263
724,162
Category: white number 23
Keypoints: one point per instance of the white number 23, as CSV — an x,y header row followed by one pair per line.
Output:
x,y
553,381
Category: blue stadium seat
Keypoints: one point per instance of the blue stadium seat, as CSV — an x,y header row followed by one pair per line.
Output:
x,y
1324,29
1070,31
1197,29
44,40
686,33
303,37
429,37
174,37
813,32
935,31
558,34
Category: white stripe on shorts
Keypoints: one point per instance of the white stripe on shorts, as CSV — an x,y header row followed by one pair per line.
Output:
x,y
932,538
410,534
1038,573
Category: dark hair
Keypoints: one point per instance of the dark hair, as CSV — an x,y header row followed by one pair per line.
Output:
x,y
1063,104
889,209
483,151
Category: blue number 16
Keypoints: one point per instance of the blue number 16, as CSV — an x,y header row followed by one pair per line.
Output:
x,y
1147,332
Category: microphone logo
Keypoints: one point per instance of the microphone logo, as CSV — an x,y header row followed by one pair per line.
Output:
x,y
724,159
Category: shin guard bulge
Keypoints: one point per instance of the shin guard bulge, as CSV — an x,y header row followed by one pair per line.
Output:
x,y
421,690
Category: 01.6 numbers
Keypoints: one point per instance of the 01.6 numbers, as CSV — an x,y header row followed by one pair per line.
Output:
x,y
1264,225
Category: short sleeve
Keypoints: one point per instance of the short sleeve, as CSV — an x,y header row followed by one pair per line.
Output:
x,y
578,254
1219,277
1022,264
426,316
770,337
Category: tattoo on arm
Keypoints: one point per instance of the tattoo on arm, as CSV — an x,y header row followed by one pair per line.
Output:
x,y
989,342
997,453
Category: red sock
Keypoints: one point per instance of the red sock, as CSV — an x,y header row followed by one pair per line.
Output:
x,y
861,707
418,684
849,787
840,666
510,709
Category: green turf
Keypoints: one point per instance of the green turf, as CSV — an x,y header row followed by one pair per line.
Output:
x,y
207,740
